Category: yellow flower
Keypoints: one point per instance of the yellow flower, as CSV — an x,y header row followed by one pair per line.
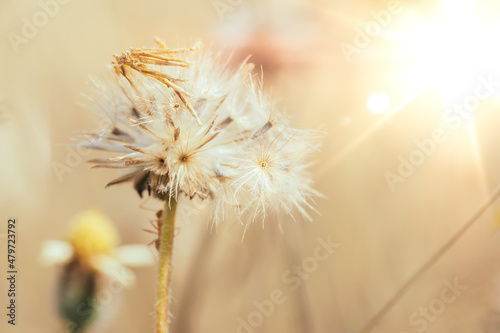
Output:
x,y
91,261
91,233
93,240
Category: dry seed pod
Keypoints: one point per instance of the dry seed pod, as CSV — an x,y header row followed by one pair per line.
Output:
x,y
244,157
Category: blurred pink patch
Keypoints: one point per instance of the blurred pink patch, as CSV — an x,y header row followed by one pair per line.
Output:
x,y
276,38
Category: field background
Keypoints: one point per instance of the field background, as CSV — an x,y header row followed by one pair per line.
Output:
x,y
385,236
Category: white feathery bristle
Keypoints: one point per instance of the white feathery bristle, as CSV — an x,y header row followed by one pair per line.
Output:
x,y
204,130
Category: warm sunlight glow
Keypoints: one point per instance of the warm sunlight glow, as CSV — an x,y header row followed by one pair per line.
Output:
x,y
451,53
378,103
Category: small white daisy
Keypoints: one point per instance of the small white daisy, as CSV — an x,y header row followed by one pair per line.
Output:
x,y
90,260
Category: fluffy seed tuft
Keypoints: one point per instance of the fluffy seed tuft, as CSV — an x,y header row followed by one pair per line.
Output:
x,y
192,126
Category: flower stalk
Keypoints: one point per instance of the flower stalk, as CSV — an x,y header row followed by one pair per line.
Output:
x,y
188,125
165,252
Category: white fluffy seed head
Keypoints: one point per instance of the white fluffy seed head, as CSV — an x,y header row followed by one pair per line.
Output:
x,y
202,130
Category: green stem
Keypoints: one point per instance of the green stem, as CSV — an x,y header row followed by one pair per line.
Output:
x,y
166,244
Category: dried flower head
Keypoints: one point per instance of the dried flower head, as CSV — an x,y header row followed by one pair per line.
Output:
x,y
193,126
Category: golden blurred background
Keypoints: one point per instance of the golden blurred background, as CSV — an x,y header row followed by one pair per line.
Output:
x,y
402,167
